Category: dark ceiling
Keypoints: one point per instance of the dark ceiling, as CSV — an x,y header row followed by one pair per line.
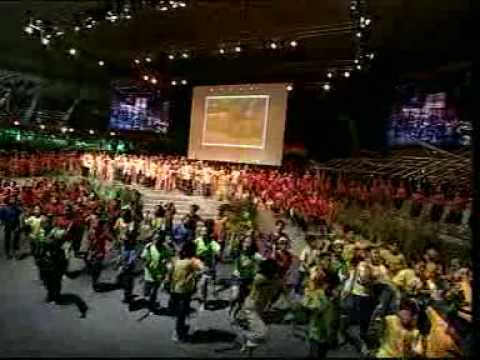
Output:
x,y
409,33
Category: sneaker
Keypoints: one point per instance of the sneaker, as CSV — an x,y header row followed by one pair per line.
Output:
x,y
175,337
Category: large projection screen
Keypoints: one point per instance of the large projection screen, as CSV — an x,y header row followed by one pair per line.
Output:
x,y
238,123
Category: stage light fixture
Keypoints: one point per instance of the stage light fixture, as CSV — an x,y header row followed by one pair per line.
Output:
x,y
154,81
362,19
184,82
28,30
346,74
76,28
174,83
359,67
293,43
163,8
72,51
358,34
145,77
64,130
71,130
371,56
289,87
101,63
89,26
136,61
59,33
273,45
353,7
128,17
112,133
326,87
45,41
91,132
185,55
182,4
174,5
16,123
42,127
368,22
171,57
329,75
221,51
148,59
238,49
356,61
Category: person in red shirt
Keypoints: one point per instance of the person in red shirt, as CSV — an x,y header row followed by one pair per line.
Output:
x,y
284,259
98,238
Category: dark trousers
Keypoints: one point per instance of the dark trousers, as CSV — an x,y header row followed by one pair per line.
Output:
x,y
127,281
150,291
12,239
181,306
53,283
358,311
317,349
96,267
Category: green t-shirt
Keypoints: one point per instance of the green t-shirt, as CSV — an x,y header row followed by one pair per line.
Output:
x,y
321,317
207,251
156,261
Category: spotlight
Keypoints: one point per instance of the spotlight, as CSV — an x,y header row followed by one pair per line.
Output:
x,y
346,74
112,133
89,26
163,8
174,5
353,7
362,19
368,22
293,43
356,61
59,33
76,28
128,17
329,75
289,87
145,77
221,51
184,82
326,87
358,34
148,59
72,51
16,123
101,63
174,82
45,41
64,130
273,46
42,127
136,61
238,49
91,132
171,56
71,130
359,67
182,4
28,29
154,81
185,55
371,56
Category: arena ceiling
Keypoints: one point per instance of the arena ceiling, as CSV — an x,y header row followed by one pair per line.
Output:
x,y
409,33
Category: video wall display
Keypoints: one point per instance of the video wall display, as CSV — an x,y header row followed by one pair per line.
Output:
x,y
137,108
432,116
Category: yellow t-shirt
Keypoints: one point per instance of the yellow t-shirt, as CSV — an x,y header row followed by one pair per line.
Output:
x,y
398,342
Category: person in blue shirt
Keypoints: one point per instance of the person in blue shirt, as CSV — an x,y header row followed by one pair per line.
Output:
x,y
10,216
182,232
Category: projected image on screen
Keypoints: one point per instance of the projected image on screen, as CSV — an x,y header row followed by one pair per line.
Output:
x,y
138,109
236,121
431,117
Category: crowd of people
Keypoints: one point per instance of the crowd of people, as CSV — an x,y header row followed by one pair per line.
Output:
x,y
313,195
346,287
